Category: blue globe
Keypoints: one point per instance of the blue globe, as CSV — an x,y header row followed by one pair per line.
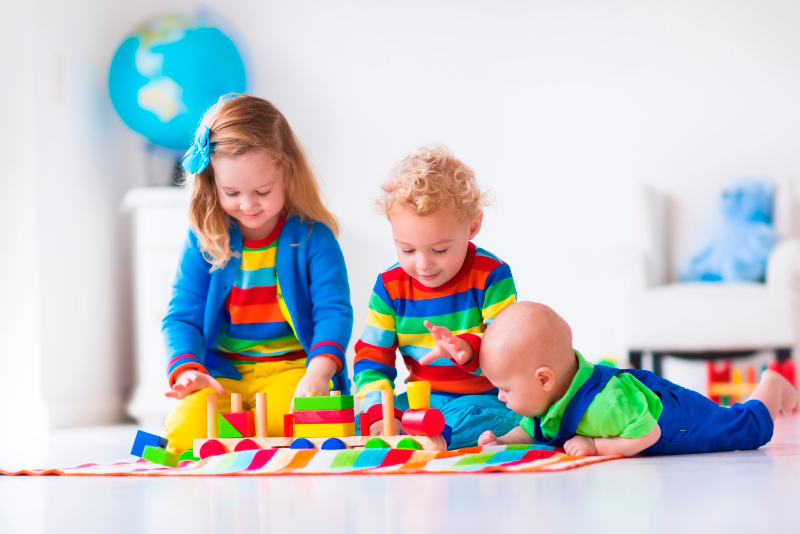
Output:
x,y
168,71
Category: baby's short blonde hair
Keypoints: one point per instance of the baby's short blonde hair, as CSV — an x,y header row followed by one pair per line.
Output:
x,y
429,180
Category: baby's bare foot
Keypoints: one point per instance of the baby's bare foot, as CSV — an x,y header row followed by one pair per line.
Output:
x,y
788,395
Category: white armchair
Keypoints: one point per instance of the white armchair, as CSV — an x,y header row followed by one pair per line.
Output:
x,y
709,320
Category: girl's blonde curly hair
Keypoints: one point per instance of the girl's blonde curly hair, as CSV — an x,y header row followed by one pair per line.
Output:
x,y
429,180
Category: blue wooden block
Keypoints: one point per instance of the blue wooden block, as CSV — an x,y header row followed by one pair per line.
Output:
x,y
145,438
333,444
301,443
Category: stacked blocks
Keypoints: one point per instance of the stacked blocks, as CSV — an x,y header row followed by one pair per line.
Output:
x,y
321,417
420,419
143,439
237,425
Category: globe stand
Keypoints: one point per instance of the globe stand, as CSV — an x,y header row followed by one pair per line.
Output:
x,y
177,173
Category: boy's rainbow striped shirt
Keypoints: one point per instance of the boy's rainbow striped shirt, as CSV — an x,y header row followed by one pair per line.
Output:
x,y
253,327
397,308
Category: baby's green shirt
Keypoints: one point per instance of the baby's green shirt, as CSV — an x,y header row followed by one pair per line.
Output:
x,y
624,407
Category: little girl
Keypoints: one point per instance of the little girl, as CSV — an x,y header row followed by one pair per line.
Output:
x,y
261,301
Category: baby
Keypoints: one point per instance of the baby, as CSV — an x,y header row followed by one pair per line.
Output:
x,y
598,410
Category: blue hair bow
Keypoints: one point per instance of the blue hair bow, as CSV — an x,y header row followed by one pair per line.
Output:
x,y
196,158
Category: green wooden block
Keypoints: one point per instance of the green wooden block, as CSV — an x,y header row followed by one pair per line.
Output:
x,y
376,443
160,456
227,430
409,443
343,402
189,455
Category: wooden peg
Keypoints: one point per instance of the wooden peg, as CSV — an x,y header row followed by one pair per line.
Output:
x,y
336,393
310,394
261,415
211,416
387,400
236,402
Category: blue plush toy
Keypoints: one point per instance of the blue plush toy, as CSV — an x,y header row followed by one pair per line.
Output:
x,y
739,251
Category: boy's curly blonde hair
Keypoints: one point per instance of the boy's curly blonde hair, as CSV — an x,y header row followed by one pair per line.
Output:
x,y
429,180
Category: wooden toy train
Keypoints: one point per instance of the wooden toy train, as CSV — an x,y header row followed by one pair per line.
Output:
x,y
325,423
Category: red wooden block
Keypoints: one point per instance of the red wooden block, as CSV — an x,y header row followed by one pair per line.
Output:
x,y
424,422
305,417
288,425
363,421
211,448
243,422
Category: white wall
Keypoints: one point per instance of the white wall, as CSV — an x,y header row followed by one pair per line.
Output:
x,y
559,107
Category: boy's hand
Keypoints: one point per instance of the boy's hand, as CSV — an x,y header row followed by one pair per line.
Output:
x,y
316,380
193,380
376,428
447,346
488,438
580,446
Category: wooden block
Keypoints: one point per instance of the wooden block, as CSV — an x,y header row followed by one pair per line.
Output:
x,y
304,417
343,402
243,422
143,439
363,421
387,401
160,456
288,425
227,430
325,430
236,402
419,394
261,415
211,416
427,422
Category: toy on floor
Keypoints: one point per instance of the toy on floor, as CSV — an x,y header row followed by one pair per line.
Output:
x,y
726,386
323,422
153,448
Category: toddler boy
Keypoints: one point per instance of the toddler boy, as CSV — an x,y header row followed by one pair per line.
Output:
x,y
435,208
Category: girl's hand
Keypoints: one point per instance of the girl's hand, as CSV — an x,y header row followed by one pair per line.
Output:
x,y
447,346
193,380
580,446
317,378
488,438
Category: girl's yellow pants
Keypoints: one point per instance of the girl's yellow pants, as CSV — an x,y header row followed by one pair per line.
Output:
x,y
187,420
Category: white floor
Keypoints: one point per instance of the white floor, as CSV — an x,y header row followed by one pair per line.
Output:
x,y
754,491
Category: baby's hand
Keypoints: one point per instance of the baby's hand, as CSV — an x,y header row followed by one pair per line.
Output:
x,y
376,428
487,438
447,346
580,446
193,380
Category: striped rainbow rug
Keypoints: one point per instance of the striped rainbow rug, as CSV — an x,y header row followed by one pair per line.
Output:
x,y
503,458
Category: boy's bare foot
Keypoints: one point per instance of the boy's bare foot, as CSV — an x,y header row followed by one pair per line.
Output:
x,y
776,393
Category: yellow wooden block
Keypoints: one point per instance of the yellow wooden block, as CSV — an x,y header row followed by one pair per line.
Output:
x,y
330,430
419,394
